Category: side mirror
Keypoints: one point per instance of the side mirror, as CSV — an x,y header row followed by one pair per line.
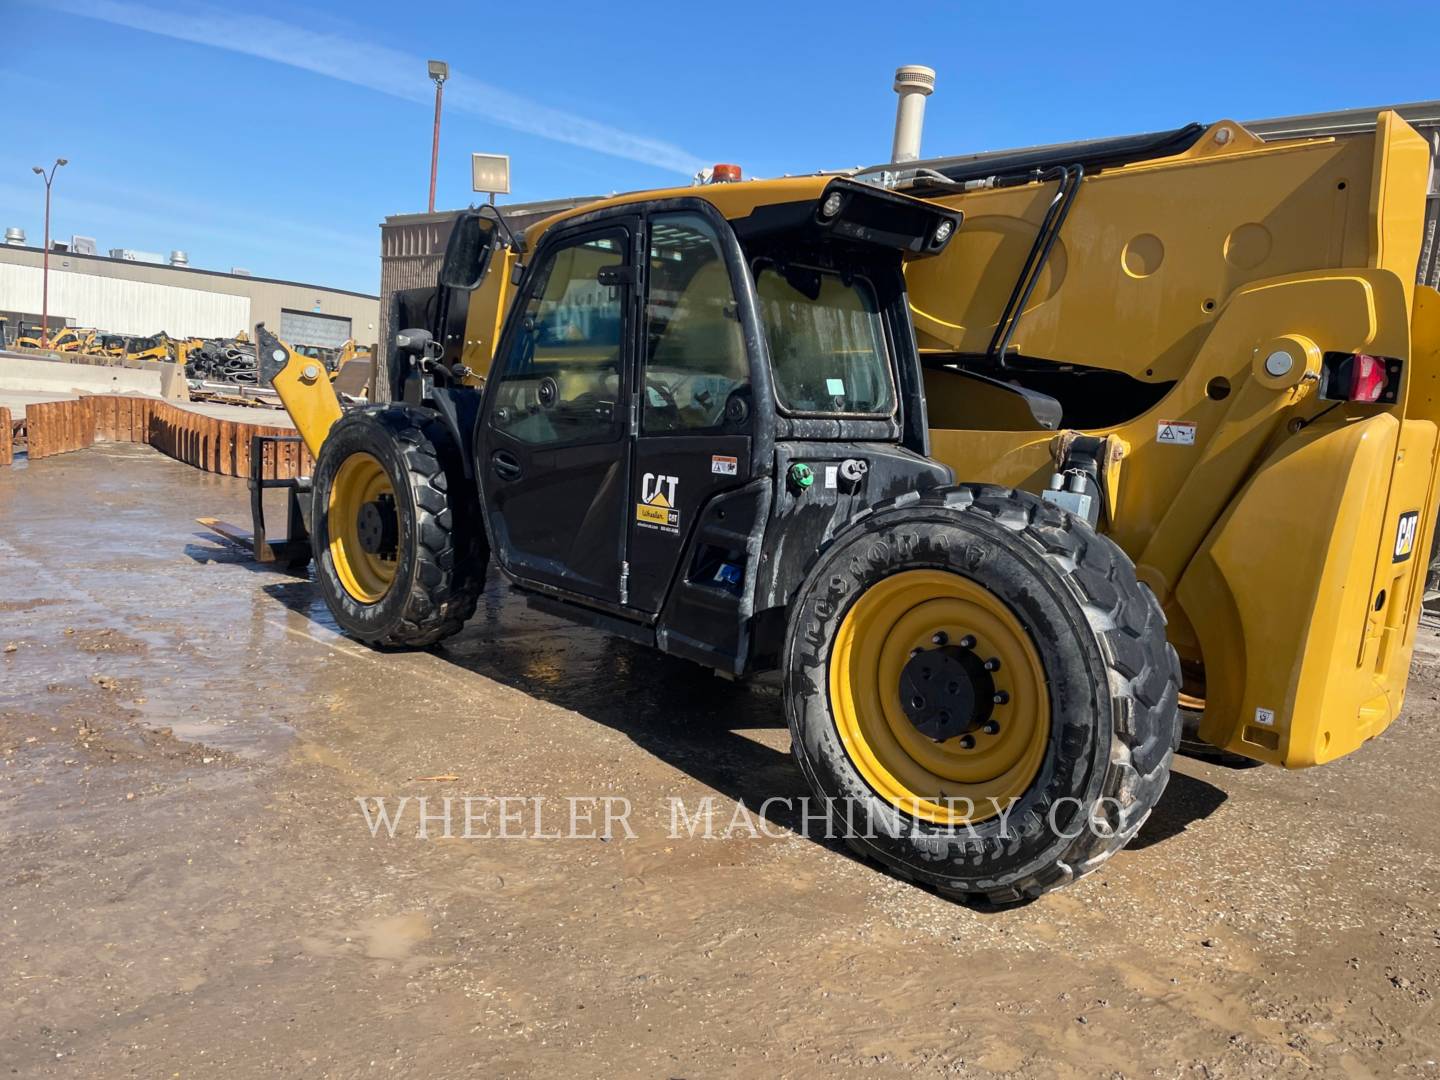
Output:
x,y
467,255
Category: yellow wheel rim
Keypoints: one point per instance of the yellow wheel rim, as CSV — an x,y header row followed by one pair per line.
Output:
x,y
969,777
365,575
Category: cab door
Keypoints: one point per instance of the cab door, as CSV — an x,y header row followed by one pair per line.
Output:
x,y
694,407
554,441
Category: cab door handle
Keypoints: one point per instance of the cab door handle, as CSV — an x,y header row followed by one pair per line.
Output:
x,y
506,465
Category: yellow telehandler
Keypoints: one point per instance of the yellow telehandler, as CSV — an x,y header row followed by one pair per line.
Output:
x,y
985,458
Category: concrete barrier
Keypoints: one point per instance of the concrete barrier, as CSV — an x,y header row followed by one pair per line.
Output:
x,y
63,377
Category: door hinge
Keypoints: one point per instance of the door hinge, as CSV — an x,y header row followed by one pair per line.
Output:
x,y
624,582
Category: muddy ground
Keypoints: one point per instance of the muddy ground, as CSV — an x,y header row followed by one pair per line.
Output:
x,y
188,885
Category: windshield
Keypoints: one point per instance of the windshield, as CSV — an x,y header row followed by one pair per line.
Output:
x,y
827,344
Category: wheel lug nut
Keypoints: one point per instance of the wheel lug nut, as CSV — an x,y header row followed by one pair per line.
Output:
x,y
993,664
968,641
940,638
991,728
916,651
967,741
1001,698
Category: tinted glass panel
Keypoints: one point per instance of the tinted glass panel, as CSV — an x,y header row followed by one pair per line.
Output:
x,y
827,342
695,350
562,372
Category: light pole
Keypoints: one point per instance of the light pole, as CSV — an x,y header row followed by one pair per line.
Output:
x,y
439,71
49,178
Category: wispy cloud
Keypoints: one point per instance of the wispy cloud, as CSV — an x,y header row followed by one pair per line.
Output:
x,y
165,217
296,250
379,68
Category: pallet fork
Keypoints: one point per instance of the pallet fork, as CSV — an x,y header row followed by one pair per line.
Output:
x,y
293,550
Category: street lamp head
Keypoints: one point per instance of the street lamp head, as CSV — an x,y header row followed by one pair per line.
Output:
x,y
62,161
439,70
37,169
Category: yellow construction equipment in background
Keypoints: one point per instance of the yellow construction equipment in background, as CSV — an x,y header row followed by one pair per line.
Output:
x,y
66,339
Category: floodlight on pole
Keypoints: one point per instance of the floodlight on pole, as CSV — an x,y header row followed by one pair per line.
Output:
x,y
490,174
49,178
439,71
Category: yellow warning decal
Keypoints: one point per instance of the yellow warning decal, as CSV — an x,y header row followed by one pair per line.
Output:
x,y
652,515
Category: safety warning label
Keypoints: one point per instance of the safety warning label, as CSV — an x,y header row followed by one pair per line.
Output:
x,y
1175,433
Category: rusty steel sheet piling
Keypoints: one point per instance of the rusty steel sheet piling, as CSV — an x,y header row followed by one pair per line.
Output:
x,y
206,442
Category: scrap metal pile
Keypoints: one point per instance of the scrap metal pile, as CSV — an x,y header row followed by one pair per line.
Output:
x,y
229,360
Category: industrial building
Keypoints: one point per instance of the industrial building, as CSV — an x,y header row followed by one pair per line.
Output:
x,y
124,295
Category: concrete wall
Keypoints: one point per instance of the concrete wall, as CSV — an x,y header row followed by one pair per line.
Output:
x,y
143,298
20,374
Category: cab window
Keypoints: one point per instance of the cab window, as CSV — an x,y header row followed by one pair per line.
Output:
x,y
561,381
695,359
827,342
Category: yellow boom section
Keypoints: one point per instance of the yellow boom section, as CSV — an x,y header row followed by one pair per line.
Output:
x,y
304,388
1266,519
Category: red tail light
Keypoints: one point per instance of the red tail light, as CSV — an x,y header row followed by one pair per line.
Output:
x,y
1361,377
1367,378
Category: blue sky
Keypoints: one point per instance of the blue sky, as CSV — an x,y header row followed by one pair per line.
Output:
x,y
276,136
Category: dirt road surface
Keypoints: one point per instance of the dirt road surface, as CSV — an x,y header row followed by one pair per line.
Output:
x,y
188,885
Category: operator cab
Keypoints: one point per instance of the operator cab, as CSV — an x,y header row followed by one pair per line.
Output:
x,y
680,388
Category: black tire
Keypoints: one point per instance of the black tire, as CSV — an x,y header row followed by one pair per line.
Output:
x,y
1113,683
441,550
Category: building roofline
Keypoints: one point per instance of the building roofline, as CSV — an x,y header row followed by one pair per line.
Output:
x,y
1342,121
192,270
543,206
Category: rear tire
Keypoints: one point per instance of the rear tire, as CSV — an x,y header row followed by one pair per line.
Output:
x,y
1107,698
425,578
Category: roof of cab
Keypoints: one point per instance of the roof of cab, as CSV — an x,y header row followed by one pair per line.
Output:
x,y
734,200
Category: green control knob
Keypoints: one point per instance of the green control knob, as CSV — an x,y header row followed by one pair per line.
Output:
x,y
801,476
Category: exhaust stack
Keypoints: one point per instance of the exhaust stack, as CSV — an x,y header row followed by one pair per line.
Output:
x,y
914,83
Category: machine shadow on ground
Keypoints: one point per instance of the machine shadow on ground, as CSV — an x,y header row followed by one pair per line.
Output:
x,y
670,708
